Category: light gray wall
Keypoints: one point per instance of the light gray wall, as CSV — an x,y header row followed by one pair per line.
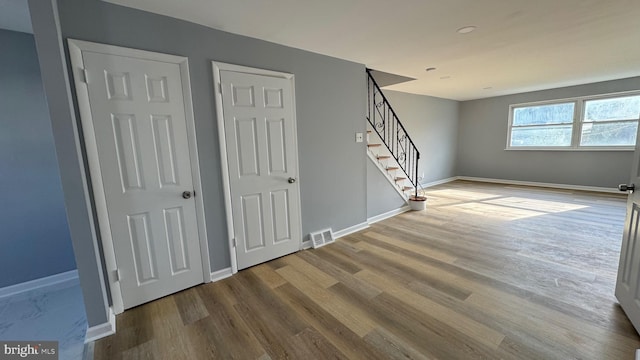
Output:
x,y
381,197
35,234
44,17
482,139
330,104
432,124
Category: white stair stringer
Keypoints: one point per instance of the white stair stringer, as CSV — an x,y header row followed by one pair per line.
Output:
x,y
383,164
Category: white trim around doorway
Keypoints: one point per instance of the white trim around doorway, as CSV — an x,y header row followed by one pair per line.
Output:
x,y
76,50
221,66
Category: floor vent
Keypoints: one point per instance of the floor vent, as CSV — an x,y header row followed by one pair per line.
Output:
x,y
321,238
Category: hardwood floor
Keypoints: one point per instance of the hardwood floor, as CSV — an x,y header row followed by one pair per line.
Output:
x,y
487,271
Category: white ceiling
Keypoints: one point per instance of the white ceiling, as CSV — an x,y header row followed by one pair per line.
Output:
x,y
14,15
519,45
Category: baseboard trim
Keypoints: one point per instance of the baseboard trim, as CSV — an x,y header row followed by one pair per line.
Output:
x,y
350,230
103,330
439,182
221,274
388,214
308,244
59,281
541,184
88,351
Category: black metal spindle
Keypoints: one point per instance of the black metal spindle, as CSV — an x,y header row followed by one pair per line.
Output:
x,y
392,132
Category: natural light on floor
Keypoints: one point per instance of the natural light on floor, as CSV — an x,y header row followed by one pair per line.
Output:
x,y
463,195
511,208
535,204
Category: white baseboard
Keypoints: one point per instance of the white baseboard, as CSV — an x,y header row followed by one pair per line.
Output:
x,y
221,274
103,330
439,182
541,184
53,282
392,213
307,245
350,230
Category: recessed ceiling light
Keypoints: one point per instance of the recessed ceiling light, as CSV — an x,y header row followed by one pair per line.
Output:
x,y
466,29
430,69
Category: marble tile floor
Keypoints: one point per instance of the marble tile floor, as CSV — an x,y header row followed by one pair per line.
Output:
x,y
55,313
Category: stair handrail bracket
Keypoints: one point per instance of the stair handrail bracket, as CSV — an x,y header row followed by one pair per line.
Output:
x,y
391,131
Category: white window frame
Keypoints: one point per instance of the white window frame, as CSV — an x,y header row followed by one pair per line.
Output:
x,y
578,113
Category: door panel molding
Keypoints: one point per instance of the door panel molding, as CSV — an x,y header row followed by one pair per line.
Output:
x,y
76,50
273,100
628,280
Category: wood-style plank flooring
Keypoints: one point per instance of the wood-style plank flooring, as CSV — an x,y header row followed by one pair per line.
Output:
x,y
486,272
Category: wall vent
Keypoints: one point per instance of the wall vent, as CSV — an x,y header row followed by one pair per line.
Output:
x,y
321,238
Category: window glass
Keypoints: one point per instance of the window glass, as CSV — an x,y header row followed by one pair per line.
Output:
x,y
591,122
544,114
540,136
621,108
609,134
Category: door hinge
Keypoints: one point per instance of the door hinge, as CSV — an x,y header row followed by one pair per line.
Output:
x,y
85,76
117,275
235,242
220,87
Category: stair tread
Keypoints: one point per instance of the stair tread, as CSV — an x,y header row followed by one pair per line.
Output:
x,y
392,168
407,188
369,131
373,145
384,157
400,178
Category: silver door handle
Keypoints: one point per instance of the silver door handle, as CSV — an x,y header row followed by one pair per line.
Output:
x,y
291,180
625,187
186,194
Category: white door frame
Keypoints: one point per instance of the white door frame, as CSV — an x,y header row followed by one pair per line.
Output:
x,y
220,66
76,48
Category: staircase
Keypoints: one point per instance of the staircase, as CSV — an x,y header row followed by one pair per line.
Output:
x,y
389,144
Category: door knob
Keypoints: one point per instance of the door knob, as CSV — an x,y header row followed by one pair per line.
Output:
x,y
186,194
291,180
625,187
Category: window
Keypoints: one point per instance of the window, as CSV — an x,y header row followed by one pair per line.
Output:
x,y
603,122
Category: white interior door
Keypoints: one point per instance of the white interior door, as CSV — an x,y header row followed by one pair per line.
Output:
x,y
259,126
628,282
138,123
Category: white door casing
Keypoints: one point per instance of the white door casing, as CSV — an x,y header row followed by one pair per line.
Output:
x,y
137,121
628,281
256,122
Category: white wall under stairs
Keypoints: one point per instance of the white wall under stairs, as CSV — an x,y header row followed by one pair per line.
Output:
x,y
387,165
382,198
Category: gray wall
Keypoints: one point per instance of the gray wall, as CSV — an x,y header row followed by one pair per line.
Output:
x,y
330,99
46,30
482,139
432,124
35,234
381,197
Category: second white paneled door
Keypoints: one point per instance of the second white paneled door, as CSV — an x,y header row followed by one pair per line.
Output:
x,y
261,149
142,170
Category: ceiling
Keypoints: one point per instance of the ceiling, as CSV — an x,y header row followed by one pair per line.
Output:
x,y
14,15
518,46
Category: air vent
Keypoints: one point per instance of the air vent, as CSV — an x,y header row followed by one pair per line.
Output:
x,y
322,238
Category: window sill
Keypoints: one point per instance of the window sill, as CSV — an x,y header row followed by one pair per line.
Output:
x,y
571,149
